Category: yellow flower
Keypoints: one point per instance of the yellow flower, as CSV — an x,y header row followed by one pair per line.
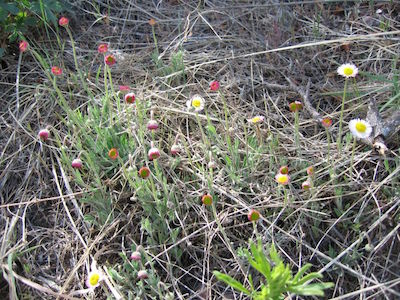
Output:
x,y
282,178
196,103
347,70
256,120
361,129
94,278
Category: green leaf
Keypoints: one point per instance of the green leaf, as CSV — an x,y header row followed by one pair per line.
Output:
x,y
12,8
309,277
301,272
231,282
274,255
315,289
3,15
260,263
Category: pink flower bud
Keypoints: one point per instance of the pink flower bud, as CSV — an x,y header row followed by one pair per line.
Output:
x,y
144,172
63,21
284,170
175,149
124,89
253,215
109,60
214,85
113,153
76,163
207,199
130,98
23,45
152,125
326,122
154,153
103,48
136,256
310,170
44,134
295,106
57,71
306,185
142,274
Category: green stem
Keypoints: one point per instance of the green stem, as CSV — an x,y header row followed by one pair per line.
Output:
x,y
352,155
296,131
107,103
76,64
328,137
155,40
339,140
113,91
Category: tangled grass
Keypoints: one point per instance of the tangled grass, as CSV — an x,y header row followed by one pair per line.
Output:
x,y
57,220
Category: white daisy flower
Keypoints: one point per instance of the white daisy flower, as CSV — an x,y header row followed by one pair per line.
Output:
x,y
196,103
94,278
347,70
361,129
256,120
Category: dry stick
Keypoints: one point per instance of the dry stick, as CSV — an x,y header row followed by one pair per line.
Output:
x,y
17,84
37,286
367,289
69,190
74,228
84,256
35,201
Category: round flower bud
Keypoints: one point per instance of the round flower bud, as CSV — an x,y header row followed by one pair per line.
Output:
x,y
175,149
76,163
152,125
154,153
306,185
253,215
130,98
214,85
136,256
206,199
144,172
63,21
142,274
284,170
44,134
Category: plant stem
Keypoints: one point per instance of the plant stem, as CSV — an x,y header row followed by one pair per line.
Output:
x,y
339,140
76,64
352,155
296,132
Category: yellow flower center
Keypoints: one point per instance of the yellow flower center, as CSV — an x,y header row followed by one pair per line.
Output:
x,y
196,103
361,127
348,71
282,178
256,120
94,279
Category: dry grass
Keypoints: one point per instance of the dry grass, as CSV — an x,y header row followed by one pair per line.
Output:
x,y
263,55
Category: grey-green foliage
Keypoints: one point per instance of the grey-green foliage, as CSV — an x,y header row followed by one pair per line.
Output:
x,y
278,278
19,16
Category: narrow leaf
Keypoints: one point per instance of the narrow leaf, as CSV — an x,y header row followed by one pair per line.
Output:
x,y
232,282
309,277
301,272
315,289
